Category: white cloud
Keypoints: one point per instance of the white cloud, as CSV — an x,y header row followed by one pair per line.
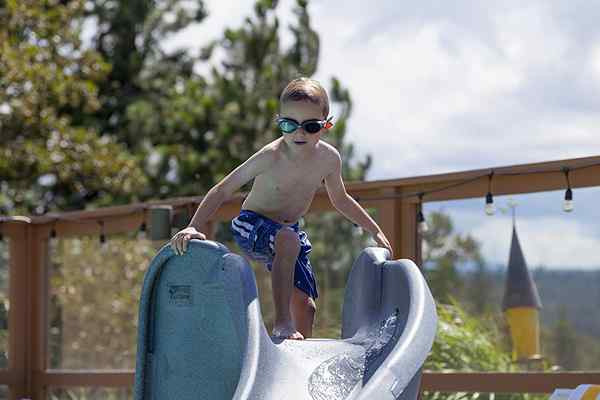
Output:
x,y
221,15
530,37
435,90
551,241
594,64
406,86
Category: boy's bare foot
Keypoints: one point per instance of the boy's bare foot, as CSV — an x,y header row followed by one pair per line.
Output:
x,y
287,332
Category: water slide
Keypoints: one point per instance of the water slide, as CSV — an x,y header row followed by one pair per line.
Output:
x,y
201,334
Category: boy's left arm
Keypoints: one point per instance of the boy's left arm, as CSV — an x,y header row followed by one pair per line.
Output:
x,y
346,205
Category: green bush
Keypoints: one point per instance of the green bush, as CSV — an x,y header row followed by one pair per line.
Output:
x,y
469,344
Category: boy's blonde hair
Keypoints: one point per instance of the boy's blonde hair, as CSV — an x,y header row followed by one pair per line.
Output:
x,y
302,89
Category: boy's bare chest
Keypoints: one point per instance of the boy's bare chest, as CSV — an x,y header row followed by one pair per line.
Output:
x,y
286,190
287,178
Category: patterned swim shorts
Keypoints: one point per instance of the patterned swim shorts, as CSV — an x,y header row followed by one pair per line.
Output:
x,y
255,234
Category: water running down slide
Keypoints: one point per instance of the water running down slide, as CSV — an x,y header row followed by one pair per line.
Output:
x,y
201,333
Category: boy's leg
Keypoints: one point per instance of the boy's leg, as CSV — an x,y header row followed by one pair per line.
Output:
x,y
287,248
303,312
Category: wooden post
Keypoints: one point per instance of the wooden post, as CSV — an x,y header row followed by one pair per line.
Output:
x,y
38,282
19,311
210,229
411,241
397,217
389,220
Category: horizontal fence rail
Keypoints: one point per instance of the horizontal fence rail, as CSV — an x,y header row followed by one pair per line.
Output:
x,y
505,382
484,382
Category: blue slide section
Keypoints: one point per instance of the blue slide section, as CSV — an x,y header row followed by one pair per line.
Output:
x,y
201,333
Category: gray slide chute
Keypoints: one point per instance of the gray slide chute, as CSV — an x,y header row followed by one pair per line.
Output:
x,y
201,333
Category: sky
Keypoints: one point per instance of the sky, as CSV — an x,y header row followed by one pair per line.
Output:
x,y
451,86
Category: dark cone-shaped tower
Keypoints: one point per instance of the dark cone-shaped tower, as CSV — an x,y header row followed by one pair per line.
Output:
x,y
521,304
520,288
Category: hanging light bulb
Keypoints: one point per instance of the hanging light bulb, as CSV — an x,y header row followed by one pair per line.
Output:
x,y
357,229
422,224
568,203
141,234
53,240
490,208
103,242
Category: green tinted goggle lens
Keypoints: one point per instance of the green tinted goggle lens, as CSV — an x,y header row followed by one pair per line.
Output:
x,y
289,126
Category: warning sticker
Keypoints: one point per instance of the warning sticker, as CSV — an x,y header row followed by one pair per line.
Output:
x,y
180,295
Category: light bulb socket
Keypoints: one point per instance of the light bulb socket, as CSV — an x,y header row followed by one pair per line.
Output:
x,y
102,235
489,198
420,217
568,194
53,233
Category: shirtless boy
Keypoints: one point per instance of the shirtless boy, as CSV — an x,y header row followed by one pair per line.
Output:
x,y
287,172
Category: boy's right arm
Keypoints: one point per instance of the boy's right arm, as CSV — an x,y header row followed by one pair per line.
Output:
x,y
221,192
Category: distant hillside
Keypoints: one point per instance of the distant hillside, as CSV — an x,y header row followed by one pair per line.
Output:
x,y
578,291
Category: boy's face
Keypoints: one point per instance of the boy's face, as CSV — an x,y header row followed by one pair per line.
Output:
x,y
301,111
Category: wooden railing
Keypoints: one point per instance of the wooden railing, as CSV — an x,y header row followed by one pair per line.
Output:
x,y
397,202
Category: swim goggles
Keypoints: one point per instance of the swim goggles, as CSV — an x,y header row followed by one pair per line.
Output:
x,y
312,126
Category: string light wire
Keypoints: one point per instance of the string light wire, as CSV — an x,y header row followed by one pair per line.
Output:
x,y
419,194
469,180
568,203
490,209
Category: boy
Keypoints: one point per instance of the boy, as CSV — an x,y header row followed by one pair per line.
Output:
x,y
287,172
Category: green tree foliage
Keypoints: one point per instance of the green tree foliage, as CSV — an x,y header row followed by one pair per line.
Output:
x,y
464,343
45,160
565,343
443,252
4,303
93,305
128,34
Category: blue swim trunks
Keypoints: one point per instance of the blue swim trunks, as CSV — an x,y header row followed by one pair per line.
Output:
x,y
255,234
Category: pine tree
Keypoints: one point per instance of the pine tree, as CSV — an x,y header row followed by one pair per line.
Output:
x,y
565,342
47,162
